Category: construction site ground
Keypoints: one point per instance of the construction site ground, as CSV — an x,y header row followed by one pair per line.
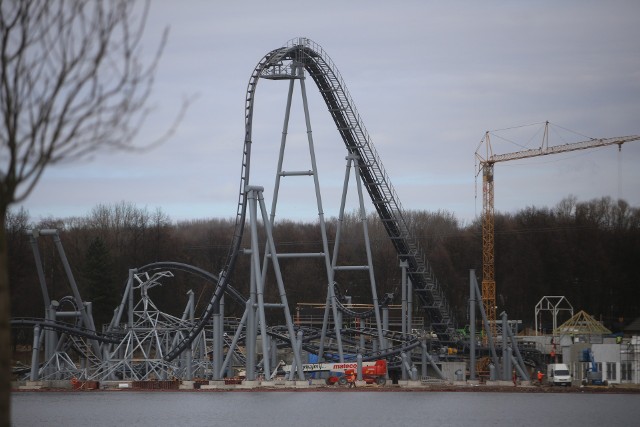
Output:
x,y
479,388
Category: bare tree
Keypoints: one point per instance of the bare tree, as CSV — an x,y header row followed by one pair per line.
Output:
x,y
72,82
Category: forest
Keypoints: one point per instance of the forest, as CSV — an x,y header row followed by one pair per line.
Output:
x,y
585,251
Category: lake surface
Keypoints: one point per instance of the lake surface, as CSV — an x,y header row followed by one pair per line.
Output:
x,y
284,408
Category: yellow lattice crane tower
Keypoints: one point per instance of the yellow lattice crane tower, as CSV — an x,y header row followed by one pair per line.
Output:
x,y
486,161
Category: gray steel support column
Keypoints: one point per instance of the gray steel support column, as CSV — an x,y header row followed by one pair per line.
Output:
x,y
492,372
283,142
300,336
217,341
131,305
359,362
50,335
221,348
325,324
520,362
414,373
492,348
434,366
87,320
409,307
298,74
472,326
113,323
189,351
406,365
403,314
403,265
521,372
250,338
125,297
506,361
35,353
273,348
281,290
33,234
385,326
367,245
423,359
295,363
321,221
234,341
253,195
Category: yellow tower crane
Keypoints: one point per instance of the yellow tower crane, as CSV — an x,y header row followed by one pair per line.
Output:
x,y
486,162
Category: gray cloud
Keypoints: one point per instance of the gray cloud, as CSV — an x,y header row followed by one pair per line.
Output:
x,y
428,78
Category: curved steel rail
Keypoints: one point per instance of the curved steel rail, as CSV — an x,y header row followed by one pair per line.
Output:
x,y
66,328
356,138
409,341
350,313
196,271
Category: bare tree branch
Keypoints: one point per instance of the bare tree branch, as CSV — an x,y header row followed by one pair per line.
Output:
x,y
73,81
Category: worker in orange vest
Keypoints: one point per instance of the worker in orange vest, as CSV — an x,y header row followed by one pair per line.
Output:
x,y
351,378
540,375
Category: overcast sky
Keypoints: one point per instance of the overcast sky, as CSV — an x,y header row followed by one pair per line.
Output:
x,y
428,79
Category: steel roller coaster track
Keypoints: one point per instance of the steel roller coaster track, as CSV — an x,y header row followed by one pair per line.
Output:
x,y
327,78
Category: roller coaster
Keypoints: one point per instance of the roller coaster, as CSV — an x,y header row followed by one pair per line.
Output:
x,y
141,342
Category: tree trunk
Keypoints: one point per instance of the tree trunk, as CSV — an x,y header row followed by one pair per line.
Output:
x,y
5,330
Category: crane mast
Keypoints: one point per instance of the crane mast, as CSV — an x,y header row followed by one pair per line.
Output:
x,y
486,163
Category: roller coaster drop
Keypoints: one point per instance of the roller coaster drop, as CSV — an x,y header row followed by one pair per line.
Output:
x,y
183,347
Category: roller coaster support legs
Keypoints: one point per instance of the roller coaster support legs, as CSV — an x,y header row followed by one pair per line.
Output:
x,y
35,353
405,366
217,342
490,337
426,357
506,360
506,363
472,326
385,326
517,360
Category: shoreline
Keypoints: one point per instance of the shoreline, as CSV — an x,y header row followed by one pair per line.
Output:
x,y
611,389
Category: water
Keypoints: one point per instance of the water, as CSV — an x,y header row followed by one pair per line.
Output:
x,y
370,409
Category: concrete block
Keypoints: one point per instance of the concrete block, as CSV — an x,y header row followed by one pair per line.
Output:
x,y
267,383
31,385
187,385
212,386
249,384
60,384
409,383
301,384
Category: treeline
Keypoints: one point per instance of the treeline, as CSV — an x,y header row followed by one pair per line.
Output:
x,y
585,251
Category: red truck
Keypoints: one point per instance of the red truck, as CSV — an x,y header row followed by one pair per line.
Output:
x,y
371,373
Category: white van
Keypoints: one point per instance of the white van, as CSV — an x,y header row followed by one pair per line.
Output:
x,y
558,374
